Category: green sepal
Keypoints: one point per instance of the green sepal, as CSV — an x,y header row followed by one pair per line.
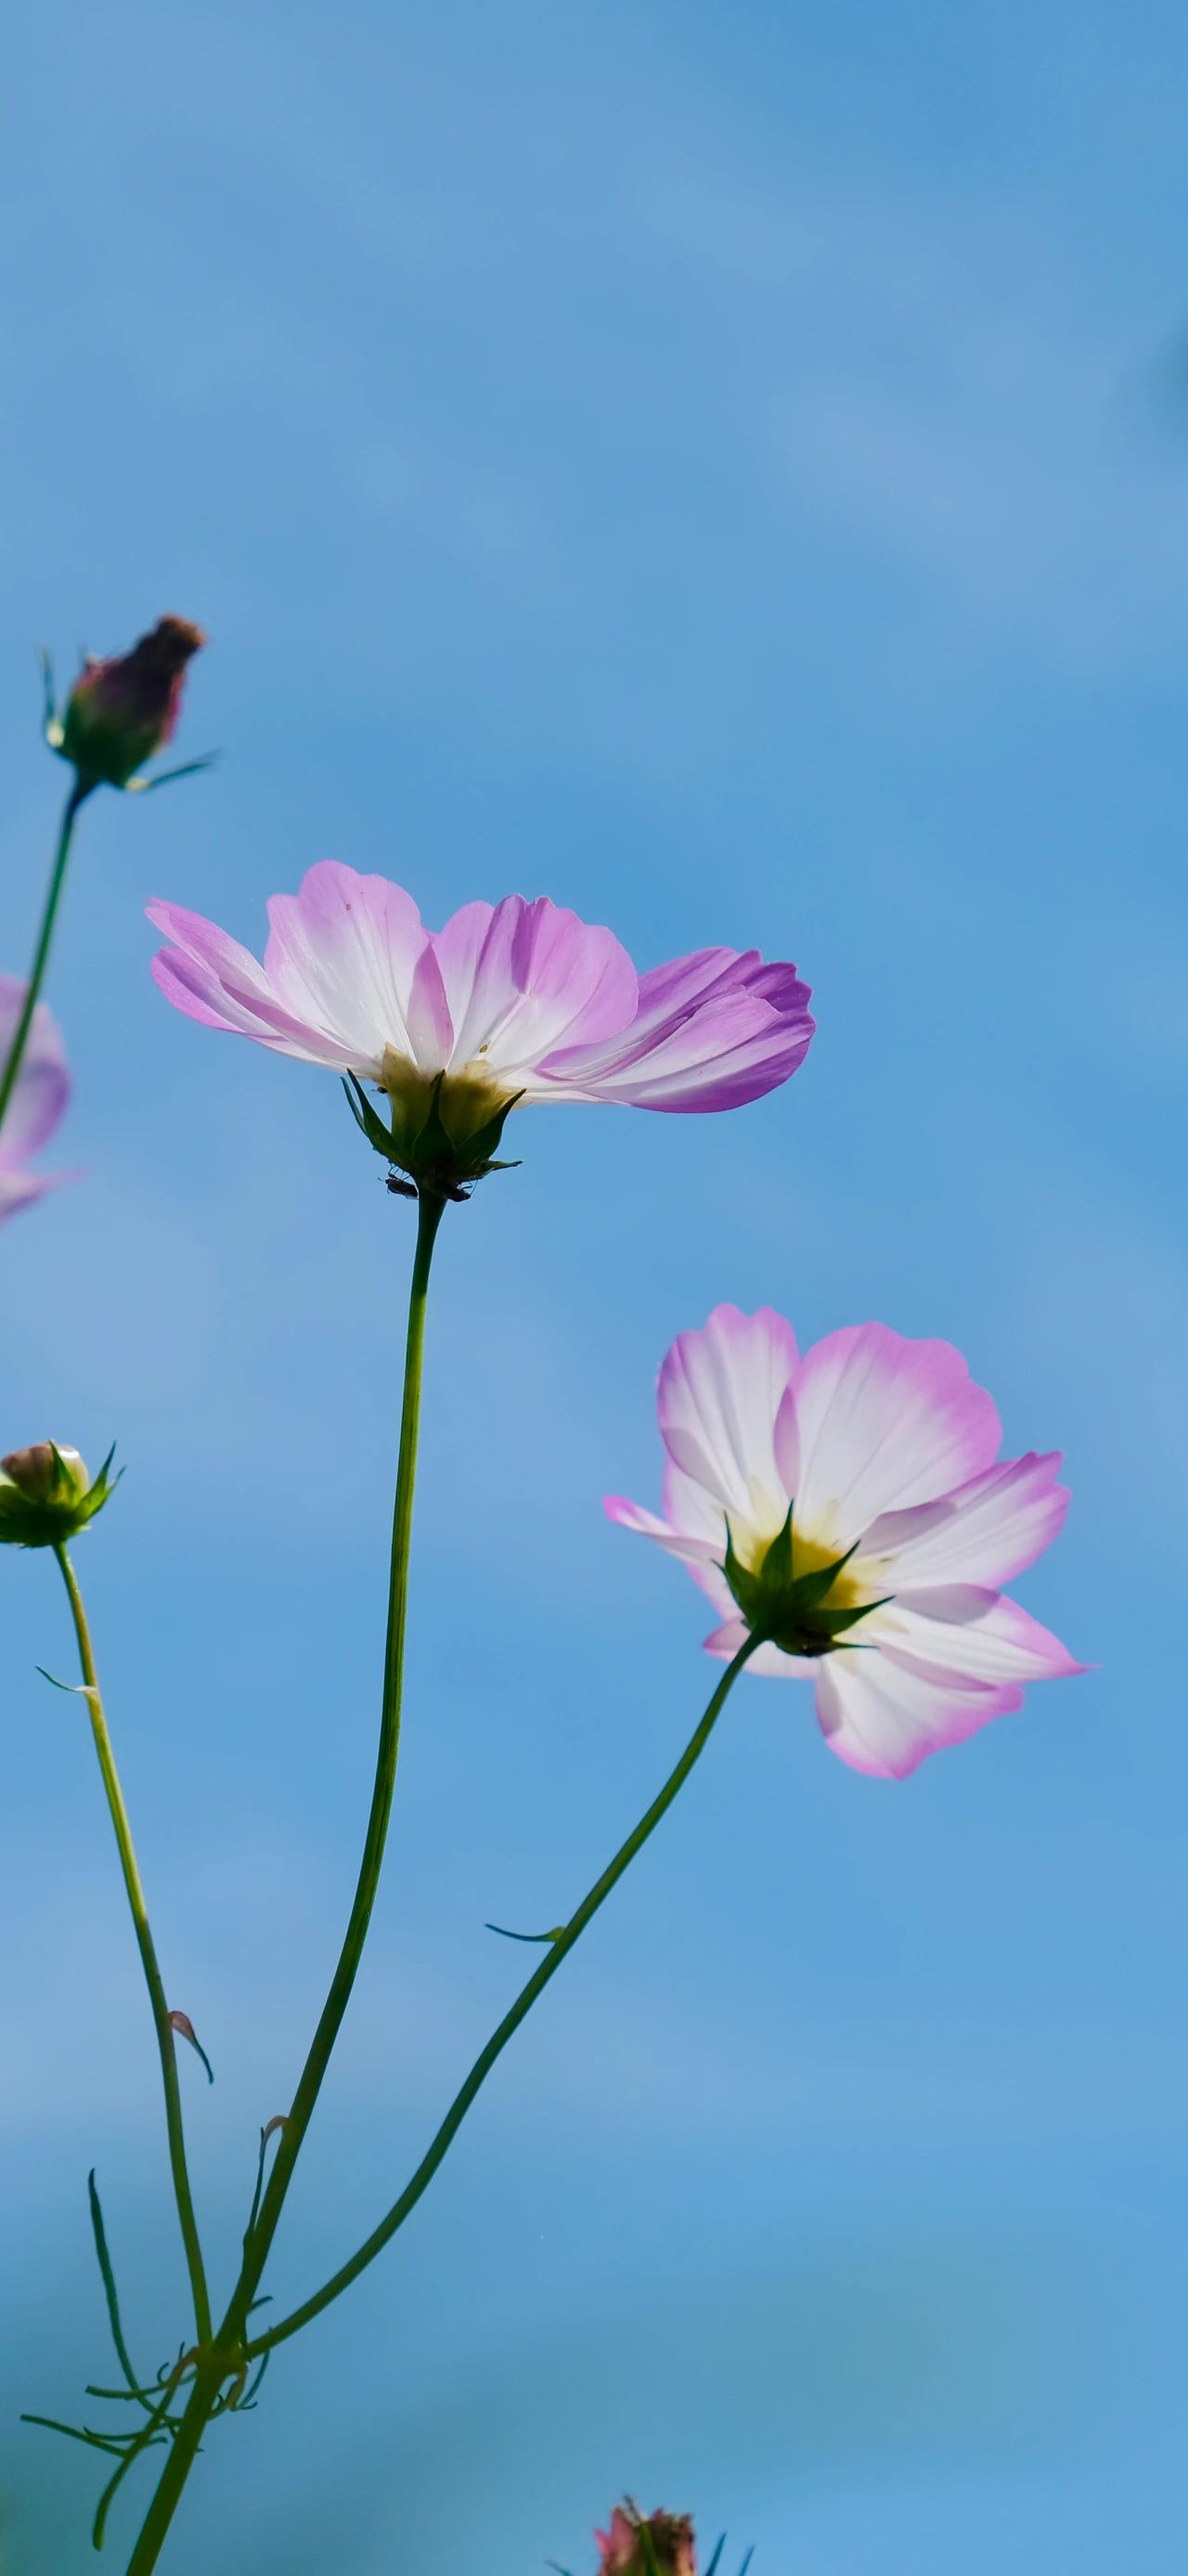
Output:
x,y
46,1496
365,1118
141,785
812,1588
787,1610
483,1146
51,723
834,1622
431,1143
425,1147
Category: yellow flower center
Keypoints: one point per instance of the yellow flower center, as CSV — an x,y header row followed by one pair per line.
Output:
x,y
468,1099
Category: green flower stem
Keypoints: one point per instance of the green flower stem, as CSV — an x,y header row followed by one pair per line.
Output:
x,y
80,790
559,1949
148,1955
429,1215
208,2379
226,2353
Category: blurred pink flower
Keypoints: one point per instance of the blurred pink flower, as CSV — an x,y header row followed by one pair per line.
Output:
x,y
38,1101
857,1499
625,2553
518,1002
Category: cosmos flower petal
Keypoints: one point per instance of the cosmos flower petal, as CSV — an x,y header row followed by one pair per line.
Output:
x,y
727,1640
524,979
965,1628
883,1712
712,1031
42,1087
632,1516
208,947
39,1097
342,955
215,981
688,1506
885,1423
23,1189
985,1531
720,1397
220,1004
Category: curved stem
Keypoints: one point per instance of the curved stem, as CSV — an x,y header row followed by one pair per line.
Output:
x,y
8,1079
226,2353
559,1950
429,1215
148,1955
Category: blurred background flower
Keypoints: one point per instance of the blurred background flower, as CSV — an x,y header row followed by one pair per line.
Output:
x,y
38,1103
654,2544
122,710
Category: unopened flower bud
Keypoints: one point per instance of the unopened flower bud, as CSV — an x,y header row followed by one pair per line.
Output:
x,y
46,1494
120,711
659,2544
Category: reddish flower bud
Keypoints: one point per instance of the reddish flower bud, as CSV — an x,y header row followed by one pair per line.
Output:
x,y
659,2544
122,710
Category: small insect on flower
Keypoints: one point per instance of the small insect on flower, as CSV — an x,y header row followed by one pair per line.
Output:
x,y
511,1004
848,1510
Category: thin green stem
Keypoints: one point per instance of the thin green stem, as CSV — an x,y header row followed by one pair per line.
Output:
x,y
148,1955
540,1978
80,790
226,2353
200,2406
429,1217
231,2350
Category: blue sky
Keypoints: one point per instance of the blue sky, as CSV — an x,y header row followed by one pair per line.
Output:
x,y
725,468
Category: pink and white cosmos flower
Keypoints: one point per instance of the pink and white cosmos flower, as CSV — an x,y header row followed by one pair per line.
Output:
x,y
886,1453
38,1102
516,1001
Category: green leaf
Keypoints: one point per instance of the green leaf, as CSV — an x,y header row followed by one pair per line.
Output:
x,y
108,2497
109,2286
94,2441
